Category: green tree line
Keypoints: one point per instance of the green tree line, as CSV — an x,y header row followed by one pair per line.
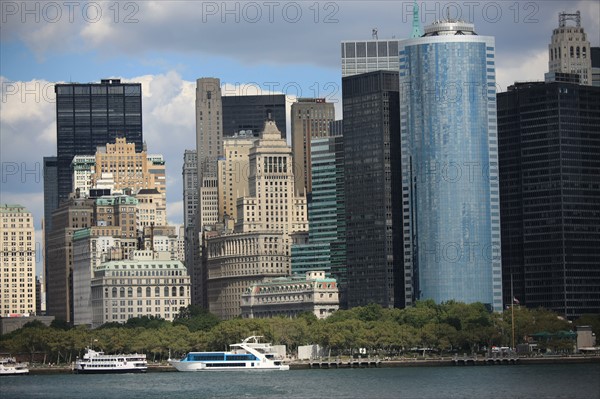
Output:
x,y
450,327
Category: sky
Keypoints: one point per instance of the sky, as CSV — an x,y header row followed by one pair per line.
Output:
x,y
254,47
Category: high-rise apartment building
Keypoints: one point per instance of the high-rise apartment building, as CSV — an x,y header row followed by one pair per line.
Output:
x,y
248,113
450,195
311,118
373,189
569,50
549,146
17,261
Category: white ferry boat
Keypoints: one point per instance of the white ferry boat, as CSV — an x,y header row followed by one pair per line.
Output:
x,y
250,354
94,362
9,366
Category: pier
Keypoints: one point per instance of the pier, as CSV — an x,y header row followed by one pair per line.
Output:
x,y
338,364
485,361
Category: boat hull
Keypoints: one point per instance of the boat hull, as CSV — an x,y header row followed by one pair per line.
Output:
x,y
109,371
199,366
14,372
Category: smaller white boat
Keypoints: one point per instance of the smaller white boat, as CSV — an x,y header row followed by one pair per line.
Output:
x,y
9,366
94,362
250,354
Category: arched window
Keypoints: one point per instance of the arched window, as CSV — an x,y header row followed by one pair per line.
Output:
x,y
129,292
166,291
139,292
578,55
157,292
571,52
181,291
148,292
584,53
174,291
122,292
114,292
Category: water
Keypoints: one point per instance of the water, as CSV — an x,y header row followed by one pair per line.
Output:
x,y
475,382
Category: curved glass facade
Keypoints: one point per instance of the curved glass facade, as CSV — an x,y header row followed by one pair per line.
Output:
x,y
450,170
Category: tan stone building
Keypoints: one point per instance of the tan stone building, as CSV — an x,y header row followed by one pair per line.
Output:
x,y
290,296
125,168
118,210
233,170
70,216
17,261
569,50
311,118
259,246
209,147
152,208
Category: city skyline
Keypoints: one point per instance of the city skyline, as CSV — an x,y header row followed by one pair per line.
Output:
x,y
32,62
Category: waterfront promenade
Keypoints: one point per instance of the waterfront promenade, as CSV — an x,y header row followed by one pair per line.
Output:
x,y
376,363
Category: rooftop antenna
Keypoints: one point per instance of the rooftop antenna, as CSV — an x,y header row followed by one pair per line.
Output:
x,y
416,25
374,34
563,17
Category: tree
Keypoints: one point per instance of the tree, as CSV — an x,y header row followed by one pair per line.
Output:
x,y
196,318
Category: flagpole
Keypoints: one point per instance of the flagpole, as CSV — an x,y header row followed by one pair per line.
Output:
x,y
512,310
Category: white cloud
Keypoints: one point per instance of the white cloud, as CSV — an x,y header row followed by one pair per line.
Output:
x,y
521,68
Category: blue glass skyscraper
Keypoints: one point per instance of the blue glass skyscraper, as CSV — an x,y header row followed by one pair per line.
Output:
x,y
450,197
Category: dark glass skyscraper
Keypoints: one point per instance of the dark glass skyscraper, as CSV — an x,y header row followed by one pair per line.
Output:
x,y
251,112
549,148
373,189
89,115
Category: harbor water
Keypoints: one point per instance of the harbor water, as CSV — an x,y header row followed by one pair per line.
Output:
x,y
521,381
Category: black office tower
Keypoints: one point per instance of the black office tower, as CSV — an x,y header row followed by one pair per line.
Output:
x,y
251,112
549,149
89,115
373,187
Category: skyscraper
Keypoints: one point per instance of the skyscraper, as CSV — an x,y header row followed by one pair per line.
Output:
x,y
17,257
595,66
450,192
373,189
569,50
234,173
311,118
361,56
209,147
326,247
259,246
89,115
549,143
249,113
